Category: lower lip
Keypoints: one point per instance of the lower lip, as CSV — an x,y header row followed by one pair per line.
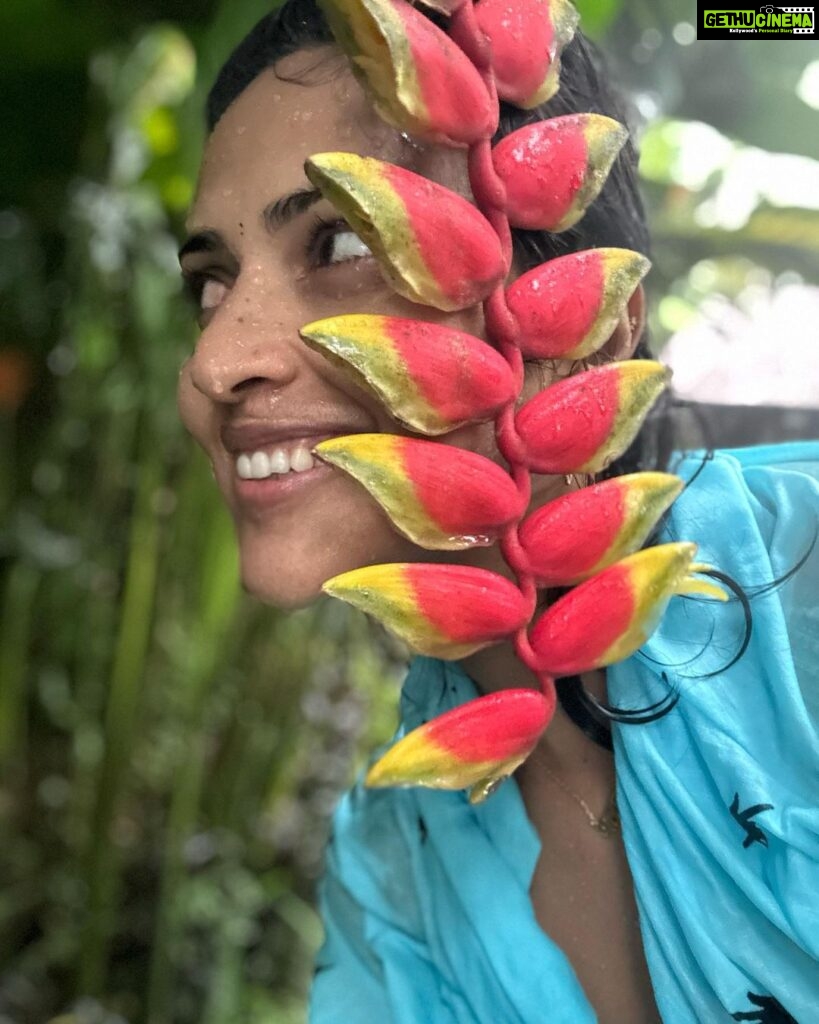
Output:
x,y
269,492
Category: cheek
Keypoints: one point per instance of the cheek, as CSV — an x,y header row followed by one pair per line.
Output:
x,y
286,557
478,438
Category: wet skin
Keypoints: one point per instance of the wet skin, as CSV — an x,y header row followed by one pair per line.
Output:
x,y
265,280
260,276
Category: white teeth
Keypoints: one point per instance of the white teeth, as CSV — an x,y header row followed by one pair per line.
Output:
x,y
261,465
301,460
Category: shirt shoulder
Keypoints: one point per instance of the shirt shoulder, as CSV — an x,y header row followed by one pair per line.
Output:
x,y
719,798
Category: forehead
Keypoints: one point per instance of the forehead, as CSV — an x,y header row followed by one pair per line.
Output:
x,y
257,150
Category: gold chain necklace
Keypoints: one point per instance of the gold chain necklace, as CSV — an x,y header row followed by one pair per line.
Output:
x,y
608,823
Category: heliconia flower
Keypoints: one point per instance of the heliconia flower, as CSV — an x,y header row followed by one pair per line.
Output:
x,y
611,615
527,37
440,496
429,376
421,81
553,170
434,247
584,422
444,611
585,531
473,746
568,307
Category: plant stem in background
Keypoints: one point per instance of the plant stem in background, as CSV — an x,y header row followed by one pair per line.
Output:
x,y
15,627
127,679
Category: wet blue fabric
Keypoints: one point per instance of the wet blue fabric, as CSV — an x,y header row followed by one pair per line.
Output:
x,y
425,897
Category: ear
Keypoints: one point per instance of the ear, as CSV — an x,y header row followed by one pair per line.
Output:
x,y
629,330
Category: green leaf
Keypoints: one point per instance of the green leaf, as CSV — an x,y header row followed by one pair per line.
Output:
x,y
596,16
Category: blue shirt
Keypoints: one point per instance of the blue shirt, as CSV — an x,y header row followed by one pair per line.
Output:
x,y
426,897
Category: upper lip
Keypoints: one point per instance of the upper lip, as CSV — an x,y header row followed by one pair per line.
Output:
x,y
251,437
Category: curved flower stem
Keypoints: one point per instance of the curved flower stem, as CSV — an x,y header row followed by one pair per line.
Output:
x,y
502,328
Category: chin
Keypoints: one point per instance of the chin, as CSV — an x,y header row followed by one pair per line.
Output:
x,y
286,558
281,587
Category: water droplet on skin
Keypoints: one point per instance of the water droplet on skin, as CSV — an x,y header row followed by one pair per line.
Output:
x,y
405,137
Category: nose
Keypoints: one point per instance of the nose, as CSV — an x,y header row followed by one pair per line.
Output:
x,y
249,342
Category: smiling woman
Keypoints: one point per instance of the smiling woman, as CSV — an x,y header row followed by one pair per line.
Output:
x,y
354,301
268,255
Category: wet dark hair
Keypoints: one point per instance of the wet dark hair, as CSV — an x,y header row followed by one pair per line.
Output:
x,y
616,218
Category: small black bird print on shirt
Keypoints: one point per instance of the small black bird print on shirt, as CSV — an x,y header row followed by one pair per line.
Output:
x,y
770,1011
753,833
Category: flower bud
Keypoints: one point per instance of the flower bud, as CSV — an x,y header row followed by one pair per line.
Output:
x,y
444,611
429,376
473,746
420,80
584,422
571,538
440,496
527,37
554,170
607,618
569,307
433,246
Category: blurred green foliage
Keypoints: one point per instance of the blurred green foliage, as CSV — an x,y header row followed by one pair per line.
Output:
x,y
170,749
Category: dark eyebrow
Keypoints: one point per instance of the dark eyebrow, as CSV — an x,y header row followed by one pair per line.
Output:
x,y
202,241
275,215
283,210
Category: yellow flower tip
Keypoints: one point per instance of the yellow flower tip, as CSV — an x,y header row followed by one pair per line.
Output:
x,y
315,330
645,375
347,181
565,19
692,584
624,269
412,765
354,583
420,80
416,760
605,138
343,450
487,786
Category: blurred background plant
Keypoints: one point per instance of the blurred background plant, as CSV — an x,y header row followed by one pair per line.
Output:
x,y
170,749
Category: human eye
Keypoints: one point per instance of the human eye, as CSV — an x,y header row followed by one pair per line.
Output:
x,y
205,292
333,241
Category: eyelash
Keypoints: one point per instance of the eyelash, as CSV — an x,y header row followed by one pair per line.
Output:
x,y
193,284
321,233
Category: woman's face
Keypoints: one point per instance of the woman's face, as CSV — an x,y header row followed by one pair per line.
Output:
x,y
266,258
